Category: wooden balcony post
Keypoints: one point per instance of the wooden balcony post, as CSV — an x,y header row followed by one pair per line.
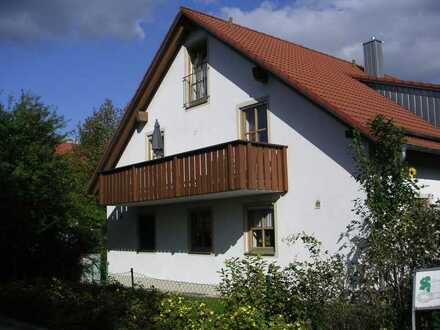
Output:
x,y
135,183
285,177
177,177
230,170
251,166
242,172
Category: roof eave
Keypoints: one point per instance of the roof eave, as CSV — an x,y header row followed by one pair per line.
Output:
x,y
103,164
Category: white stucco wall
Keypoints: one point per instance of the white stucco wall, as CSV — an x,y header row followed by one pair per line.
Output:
x,y
320,168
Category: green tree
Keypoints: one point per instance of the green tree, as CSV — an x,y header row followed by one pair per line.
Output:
x,y
92,136
394,232
40,227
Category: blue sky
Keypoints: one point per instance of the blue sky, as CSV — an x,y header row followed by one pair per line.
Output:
x,y
76,55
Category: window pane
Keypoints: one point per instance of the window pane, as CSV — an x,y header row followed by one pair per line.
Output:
x,y
257,238
262,117
250,120
262,123
201,231
269,238
261,225
255,219
262,136
147,233
269,218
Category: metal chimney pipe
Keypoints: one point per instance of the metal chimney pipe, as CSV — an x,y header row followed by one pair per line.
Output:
x,y
373,57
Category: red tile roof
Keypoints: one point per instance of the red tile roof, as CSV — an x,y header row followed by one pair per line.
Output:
x,y
64,148
325,79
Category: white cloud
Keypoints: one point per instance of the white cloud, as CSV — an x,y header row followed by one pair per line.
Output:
x,y
410,30
24,20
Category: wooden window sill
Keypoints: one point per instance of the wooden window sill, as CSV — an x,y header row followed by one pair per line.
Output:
x,y
261,252
195,103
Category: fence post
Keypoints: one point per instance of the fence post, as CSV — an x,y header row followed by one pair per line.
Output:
x,y
132,277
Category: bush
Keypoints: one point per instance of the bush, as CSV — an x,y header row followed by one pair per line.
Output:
x,y
314,292
183,313
62,305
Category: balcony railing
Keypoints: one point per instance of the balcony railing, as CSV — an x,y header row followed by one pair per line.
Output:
x,y
195,86
233,166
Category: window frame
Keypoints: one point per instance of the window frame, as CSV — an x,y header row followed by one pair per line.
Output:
x,y
249,248
190,71
191,250
244,133
149,150
139,247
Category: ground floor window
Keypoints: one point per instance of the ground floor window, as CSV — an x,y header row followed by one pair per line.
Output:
x,y
146,233
261,230
200,228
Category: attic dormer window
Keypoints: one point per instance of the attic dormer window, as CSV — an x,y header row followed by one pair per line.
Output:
x,y
195,84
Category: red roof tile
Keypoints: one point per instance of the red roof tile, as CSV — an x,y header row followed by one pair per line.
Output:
x,y
325,79
64,148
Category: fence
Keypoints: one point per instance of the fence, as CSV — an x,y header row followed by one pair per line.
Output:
x,y
133,279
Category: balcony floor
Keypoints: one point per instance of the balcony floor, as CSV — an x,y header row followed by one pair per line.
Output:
x,y
204,197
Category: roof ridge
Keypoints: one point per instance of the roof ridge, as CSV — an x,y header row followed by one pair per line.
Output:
x,y
183,8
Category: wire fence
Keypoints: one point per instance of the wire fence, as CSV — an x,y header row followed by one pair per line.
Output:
x,y
133,279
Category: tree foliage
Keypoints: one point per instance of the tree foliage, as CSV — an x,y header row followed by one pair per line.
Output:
x,y
395,232
41,233
93,135
48,219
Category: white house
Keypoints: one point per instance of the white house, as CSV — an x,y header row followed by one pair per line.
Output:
x,y
256,148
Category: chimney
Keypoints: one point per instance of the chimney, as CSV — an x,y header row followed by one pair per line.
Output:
x,y
373,57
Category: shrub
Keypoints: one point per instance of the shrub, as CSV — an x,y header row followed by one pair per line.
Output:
x,y
183,313
62,305
314,292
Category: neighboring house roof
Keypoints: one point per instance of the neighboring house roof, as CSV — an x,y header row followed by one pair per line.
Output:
x,y
330,82
396,81
64,148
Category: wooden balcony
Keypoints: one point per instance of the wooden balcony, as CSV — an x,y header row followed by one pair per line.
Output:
x,y
228,167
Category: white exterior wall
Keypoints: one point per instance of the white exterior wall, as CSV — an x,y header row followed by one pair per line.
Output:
x,y
319,168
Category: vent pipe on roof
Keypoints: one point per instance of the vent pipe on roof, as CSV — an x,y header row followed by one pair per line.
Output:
x,y
373,57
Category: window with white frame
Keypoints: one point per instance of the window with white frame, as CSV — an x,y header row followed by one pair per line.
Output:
x,y
261,230
254,123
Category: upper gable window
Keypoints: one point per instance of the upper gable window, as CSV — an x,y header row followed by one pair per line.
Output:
x,y
196,82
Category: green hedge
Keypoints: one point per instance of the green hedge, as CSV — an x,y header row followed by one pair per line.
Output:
x,y
60,305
